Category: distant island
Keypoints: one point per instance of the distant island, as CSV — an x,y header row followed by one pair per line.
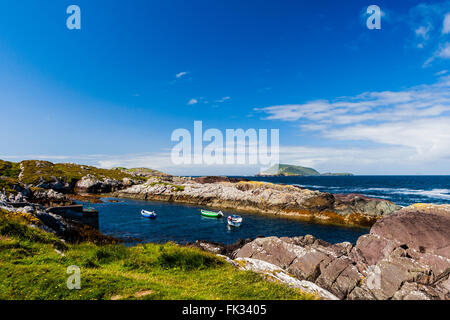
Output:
x,y
291,170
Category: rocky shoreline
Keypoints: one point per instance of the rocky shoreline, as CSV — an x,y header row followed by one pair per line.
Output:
x,y
52,184
406,256
72,229
264,198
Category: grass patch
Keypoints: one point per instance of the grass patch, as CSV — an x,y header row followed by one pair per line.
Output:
x,y
8,184
9,169
16,225
35,172
169,257
32,268
176,187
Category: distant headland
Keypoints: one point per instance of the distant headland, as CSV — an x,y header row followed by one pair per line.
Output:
x,y
291,170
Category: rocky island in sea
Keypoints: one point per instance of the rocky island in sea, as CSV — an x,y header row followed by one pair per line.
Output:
x,y
405,254
288,170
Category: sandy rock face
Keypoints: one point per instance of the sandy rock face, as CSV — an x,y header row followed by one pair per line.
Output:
x,y
405,256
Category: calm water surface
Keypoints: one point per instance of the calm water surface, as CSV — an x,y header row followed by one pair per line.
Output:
x,y
182,223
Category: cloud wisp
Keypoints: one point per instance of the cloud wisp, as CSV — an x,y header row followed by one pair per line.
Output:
x,y
421,101
431,26
192,102
181,74
416,119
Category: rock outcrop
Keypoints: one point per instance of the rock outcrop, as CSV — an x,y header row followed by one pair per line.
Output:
x,y
267,198
275,273
49,198
405,256
35,196
90,184
72,228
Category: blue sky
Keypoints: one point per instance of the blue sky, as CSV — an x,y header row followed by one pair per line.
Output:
x,y
345,98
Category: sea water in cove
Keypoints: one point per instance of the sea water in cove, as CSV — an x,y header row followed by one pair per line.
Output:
x,y
181,223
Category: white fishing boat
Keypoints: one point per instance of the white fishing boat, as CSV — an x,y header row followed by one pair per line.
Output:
x,y
234,221
148,214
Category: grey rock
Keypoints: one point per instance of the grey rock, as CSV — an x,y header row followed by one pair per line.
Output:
x,y
272,250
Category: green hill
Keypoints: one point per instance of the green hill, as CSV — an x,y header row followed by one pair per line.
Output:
x,y
36,172
289,170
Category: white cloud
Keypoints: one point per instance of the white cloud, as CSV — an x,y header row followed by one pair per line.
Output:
x,y
441,73
444,51
429,22
446,25
223,99
181,74
192,101
430,138
423,32
421,101
409,128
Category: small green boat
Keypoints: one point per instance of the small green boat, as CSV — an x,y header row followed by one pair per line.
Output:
x,y
212,214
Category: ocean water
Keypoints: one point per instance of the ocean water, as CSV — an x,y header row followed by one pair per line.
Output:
x,y
402,190
182,223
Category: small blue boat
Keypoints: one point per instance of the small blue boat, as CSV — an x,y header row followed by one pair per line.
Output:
x,y
148,214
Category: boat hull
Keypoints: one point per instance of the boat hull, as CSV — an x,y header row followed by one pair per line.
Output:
x,y
211,214
234,224
234,221
150,215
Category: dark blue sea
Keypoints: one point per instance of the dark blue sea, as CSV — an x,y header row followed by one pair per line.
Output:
x,y
183,223
402,190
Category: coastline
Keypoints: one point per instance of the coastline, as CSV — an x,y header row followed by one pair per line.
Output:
x,y
409,246
265,198
311,218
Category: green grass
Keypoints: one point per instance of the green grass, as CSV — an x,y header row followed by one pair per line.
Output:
x,y
176,187
9,174
31,268
36,171
9,169
8,184
145,171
